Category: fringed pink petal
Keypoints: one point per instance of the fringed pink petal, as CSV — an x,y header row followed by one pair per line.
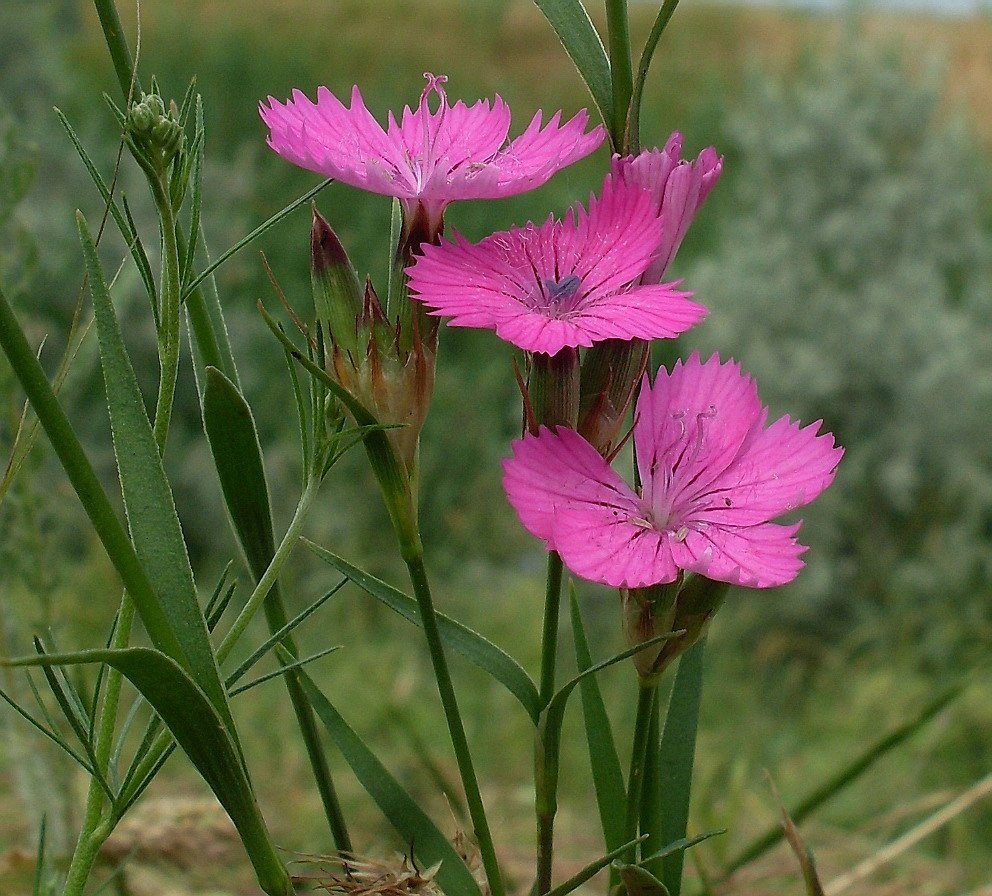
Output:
x,y
764,556
554,473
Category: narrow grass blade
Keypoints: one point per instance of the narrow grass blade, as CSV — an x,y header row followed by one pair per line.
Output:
x,y
402,811
202,733
155,529
582,42
846,776
675,759
470,644
607,773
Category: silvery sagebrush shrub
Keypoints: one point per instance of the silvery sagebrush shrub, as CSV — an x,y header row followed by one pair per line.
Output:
x,y
856,279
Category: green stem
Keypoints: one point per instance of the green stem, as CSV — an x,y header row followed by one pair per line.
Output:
x,y
545,802
621,70
87,849
271,575
96,826
120,53
473,796
647,693
276,617
549,640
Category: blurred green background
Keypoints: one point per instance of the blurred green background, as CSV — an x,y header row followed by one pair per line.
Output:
x,y
846,257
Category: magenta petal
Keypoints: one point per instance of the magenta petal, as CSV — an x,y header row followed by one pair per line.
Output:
x,y
431,157
600,544
764,556
561,284
553,473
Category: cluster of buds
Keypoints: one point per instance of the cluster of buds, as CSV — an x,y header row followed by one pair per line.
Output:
x,y
155,132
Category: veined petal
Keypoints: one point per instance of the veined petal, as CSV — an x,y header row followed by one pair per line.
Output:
x,y
428,156
782,467
561,284
552,473
713,479
537,153
691,426
763,556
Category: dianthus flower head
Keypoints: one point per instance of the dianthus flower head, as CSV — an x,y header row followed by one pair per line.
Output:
x,y
678,188
429,157
563,284
713,477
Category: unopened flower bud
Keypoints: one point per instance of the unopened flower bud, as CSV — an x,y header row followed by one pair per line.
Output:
x,y
647,613
337,295
686,605
155,132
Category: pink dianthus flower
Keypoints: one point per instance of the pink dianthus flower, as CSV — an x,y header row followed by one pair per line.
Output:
x,y
563,284
427,158
713,477
678,187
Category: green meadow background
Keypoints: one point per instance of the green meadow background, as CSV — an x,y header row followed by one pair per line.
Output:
x,y
846,257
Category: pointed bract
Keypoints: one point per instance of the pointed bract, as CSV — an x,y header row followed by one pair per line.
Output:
x,y
713,478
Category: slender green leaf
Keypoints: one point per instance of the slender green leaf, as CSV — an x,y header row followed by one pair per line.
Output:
x,y
237,455
638,881
581,41
152,519
591,870
202,733
196,193
675,759
257,232
607,773
470,644
48,732
85,482
288,666
280,634
123,219
74,713
403,812
634,118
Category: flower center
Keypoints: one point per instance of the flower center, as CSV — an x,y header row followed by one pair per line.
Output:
x,y
558,294
675,469
431,124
